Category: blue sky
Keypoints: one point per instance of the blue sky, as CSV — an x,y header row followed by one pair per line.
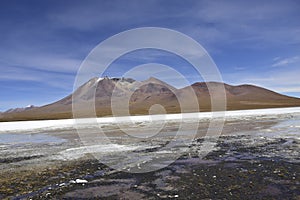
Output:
x,y
44,42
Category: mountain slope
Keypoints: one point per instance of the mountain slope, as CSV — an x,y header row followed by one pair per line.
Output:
x,y
128,96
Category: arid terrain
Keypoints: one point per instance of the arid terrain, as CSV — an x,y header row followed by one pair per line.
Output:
x,y
141,96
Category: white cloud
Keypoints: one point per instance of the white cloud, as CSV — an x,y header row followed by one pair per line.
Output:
x,y
259,23
286,61
62,81
49,49
276,58
276,80
39,61
288,89
87,16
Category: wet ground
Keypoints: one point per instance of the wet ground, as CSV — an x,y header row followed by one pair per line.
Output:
x,y
255,158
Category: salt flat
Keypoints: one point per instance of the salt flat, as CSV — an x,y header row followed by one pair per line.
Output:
x,y
70,123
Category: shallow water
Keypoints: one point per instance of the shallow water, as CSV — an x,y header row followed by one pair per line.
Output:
x,y
11,139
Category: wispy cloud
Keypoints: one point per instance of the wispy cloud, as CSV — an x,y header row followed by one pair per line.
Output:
x,y
291,89
45,42
277,80
286,61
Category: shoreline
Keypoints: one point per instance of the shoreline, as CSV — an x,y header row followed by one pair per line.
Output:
x,y
71,123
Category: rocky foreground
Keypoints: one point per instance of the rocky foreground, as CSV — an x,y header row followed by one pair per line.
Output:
x,y
234,171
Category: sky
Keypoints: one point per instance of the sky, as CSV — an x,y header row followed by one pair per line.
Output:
x,y
43,43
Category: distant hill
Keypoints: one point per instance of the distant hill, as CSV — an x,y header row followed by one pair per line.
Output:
x,y
13,110
140,96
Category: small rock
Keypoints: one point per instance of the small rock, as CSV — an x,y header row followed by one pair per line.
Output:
x,y
78,181
81,181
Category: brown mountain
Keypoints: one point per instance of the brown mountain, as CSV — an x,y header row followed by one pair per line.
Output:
x,y
12,110
128,96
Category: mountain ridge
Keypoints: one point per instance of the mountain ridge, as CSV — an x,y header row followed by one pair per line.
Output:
x,y
142,95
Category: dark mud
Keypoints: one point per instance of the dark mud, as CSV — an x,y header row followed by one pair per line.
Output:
x,y
241,167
